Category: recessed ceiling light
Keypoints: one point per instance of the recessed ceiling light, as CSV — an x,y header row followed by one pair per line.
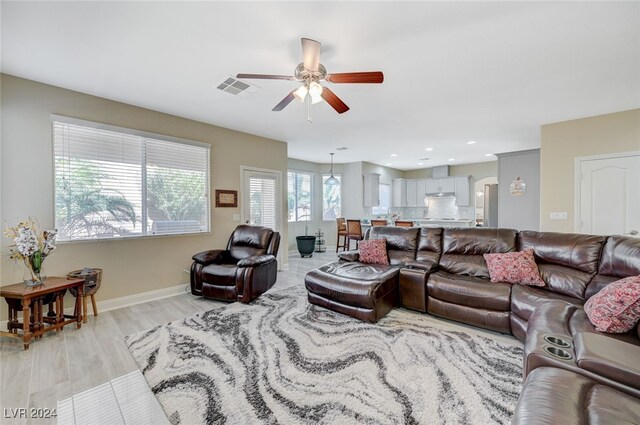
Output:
x,y
471,142
388,164
420,163
488,154
428,149
451,159
394,154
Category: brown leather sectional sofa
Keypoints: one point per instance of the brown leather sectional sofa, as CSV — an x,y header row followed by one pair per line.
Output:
x,y
443,272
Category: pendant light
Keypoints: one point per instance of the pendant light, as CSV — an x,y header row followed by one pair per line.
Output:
x,y
332,181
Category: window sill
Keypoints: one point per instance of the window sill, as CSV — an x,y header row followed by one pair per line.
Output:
x,y
127,238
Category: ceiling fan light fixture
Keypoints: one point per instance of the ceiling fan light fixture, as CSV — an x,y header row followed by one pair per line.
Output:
x,y
315,98
315,91
301,93
310,73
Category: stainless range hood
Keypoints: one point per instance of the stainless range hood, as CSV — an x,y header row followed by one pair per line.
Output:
x,y
439,172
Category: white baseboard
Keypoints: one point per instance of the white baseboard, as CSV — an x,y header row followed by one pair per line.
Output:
x,y
126,301
140,298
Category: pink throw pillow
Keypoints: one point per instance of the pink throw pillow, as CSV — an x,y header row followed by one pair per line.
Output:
x,y
616,308
373,251
514,267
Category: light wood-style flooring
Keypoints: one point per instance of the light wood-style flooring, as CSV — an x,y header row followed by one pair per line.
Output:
x,y
64,364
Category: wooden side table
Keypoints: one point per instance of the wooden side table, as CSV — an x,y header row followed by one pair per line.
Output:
x,y
30,298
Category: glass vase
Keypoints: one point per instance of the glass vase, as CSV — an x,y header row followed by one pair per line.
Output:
x,y
32,278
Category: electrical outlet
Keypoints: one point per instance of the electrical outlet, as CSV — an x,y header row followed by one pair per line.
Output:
x,y
236,217
559,216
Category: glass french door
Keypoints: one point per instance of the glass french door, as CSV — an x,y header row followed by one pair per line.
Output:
x,y
261,194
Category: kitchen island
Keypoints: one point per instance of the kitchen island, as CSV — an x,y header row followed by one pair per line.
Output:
x,y
442,222
434,222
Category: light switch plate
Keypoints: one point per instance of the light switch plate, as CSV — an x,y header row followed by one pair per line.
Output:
x,y
236,217
559,216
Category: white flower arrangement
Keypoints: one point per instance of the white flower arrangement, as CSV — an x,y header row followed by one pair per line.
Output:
x,y
32,246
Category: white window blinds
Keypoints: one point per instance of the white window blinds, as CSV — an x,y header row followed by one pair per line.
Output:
x,y
262,195
113,183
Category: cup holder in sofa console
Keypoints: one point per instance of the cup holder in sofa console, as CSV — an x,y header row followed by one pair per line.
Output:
x,y
558,353
558,342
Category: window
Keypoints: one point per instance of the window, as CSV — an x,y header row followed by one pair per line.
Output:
x,y
112,182
331,201
299,197
384,191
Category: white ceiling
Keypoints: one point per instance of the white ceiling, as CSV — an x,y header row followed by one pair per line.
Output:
x,y
492,72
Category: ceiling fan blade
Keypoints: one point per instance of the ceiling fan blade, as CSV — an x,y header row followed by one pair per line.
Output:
x,y
284,102
374,77
265,77
310,54
334,101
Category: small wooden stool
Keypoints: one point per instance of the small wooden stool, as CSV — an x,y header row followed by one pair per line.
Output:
x,y
93,278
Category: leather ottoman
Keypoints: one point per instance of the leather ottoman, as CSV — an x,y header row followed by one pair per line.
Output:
x,y
364,291
557,396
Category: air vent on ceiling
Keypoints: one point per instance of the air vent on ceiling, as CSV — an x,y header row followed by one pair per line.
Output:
x,y
343,148
237,87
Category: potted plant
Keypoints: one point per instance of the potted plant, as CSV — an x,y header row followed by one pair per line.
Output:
x,y
306,244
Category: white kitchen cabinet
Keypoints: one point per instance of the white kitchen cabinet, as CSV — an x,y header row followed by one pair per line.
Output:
x,y
399,189
371,190
412,193
421,190
416,190
462,191
447,185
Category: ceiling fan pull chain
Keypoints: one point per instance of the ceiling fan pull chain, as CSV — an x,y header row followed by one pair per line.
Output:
x,y
309,120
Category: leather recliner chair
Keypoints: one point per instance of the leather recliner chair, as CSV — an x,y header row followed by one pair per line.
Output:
x,y
243,271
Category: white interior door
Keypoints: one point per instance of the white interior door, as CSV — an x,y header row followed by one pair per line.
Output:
x,y
609,194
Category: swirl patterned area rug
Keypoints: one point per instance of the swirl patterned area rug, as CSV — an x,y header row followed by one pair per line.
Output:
x,y
281,360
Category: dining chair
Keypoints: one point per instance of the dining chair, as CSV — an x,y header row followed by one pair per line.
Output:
x,y
401,223
342,231
354,232
375,223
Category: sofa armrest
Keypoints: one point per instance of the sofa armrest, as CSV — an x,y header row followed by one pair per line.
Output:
x,y
608,357
427,266
256,260
209,257
553,318
349,256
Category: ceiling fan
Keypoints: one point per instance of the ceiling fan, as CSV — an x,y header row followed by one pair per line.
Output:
x,y
310,73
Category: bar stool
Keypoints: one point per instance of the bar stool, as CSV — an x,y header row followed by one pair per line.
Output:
x,y
401,223
342,231
354,233
375,223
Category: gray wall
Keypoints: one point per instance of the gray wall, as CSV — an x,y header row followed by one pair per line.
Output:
x,y
519,212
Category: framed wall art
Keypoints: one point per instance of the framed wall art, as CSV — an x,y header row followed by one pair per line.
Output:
x,y
226,198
